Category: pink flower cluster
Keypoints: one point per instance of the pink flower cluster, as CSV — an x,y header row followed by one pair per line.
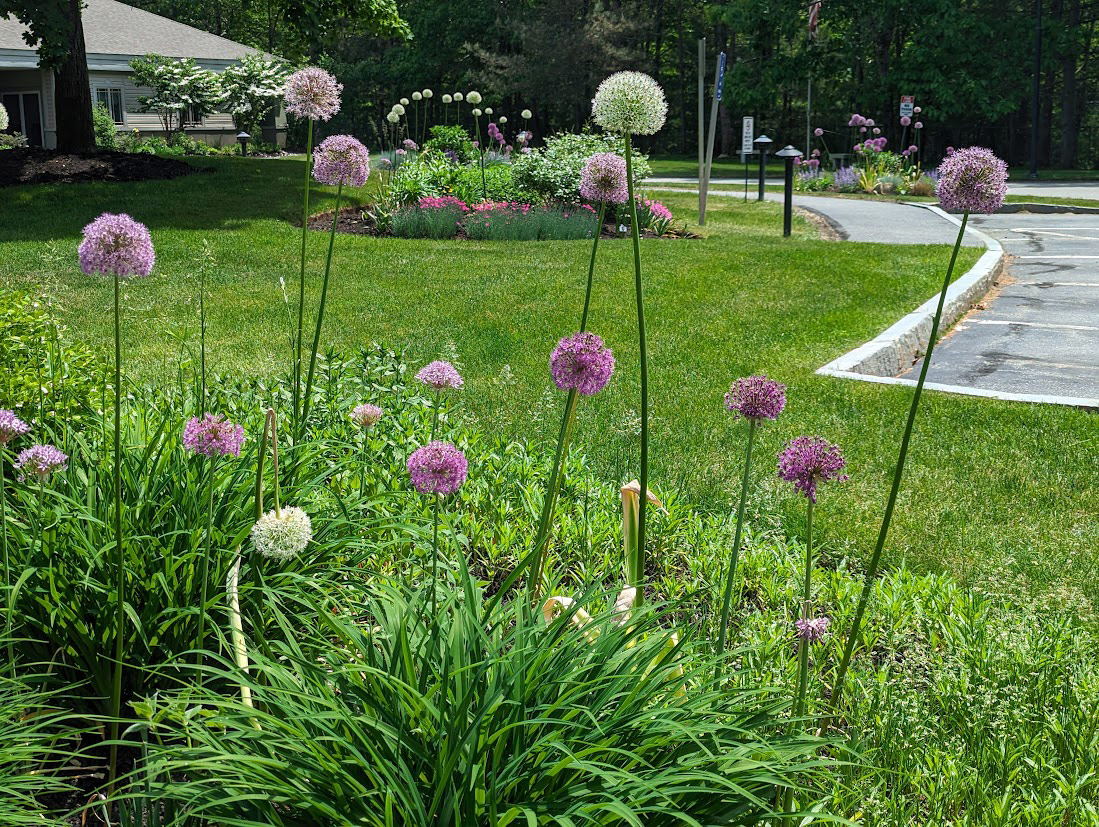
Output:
x,y
115,243
40,461
812,629
872,145
312,93
655,208
213,435
809,460
437,468
495,133
341,159
581,362
11,426
442,202
502,206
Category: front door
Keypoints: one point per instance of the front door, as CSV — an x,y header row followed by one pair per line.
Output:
x,y
25,114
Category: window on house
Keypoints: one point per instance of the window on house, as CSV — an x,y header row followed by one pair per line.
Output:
x,y
193,115
112,99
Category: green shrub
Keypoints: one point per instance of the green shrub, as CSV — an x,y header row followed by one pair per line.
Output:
x,y
453,138
553,172
499,181
106,133
43,377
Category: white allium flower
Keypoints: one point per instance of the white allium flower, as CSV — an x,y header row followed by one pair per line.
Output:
x,y
3,118
393,117
503,119
427,93
474,98
283,536
398,108
404,101
476,113
458,97
447,99
526,114
629,102
416,96
488,110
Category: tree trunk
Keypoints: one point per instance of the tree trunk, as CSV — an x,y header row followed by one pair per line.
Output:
x,y
1070,121
73,94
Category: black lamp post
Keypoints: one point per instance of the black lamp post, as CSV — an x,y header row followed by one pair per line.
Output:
x,y
242,139
788,154
761,143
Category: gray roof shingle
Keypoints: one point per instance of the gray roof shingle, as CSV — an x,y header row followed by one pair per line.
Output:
x,y
114,28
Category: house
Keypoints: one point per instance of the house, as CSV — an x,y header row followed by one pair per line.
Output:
x,y
114,34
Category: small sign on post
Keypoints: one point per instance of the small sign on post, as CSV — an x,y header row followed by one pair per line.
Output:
x,y
747,134
720,74
908,105
704,184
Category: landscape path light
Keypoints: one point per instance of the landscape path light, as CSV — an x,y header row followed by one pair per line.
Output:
x,y
761,143
242,139
788,154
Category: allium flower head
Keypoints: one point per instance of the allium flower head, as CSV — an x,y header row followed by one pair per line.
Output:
x,y
488,110
437,468
818,131
283,535
812,629
972,179
809,460
341,159
918,125
115,243
581,362
604,179
447,99
477,113
417,96
917,109
629,102
877,130
905,120
312,93
503,119
404,101
11,426
427,93
213,435
440,375
398,108
393,117
474,97
459,97
366,415
756,398
526,114
40,461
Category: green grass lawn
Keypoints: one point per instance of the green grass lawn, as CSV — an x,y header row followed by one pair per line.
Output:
x,y
687,165
999,494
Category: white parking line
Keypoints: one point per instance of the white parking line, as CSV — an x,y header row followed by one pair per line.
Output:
x,y
1056,284
1063,235
1058,257
1032,324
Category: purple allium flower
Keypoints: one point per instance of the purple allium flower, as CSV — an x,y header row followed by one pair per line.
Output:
x,y
11,426
410,145
40,461
437,468
115,243
950,151
917,109
912,150
862,129
756,397
877,130
312,93
440,375
366,415
818,131
870,122
918,125
604,179
581,362
212,435
905,120
812,629
808,460
972,179
341,159
401,152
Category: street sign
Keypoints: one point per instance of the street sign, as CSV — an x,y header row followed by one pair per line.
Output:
x,y
908,105
747,134
720,74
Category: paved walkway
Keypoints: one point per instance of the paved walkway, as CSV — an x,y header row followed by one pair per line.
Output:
x,y
1039,332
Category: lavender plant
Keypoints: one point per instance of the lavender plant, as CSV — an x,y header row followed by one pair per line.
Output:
x,y
632,103
120,246
970,180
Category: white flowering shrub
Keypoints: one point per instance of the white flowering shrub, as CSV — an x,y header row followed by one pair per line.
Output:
x,y
252,90
553,171
3,118
181,90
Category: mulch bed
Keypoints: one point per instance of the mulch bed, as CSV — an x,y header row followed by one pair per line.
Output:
x,y
42,166
354,221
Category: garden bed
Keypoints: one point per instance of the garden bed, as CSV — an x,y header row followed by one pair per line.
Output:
x,y
41,166
357,221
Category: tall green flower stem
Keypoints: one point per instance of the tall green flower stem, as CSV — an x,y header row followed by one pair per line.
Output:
x,y
549,503
898,471
301,277
591,265
120,558
435,555
7,567
306,403
800,706
202,336
200,639
727,600
644,355
236,631
481,152
435,412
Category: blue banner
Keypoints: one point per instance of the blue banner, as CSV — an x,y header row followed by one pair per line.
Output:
x,y
720,74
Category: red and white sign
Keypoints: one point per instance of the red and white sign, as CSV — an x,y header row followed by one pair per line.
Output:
x,y
908,105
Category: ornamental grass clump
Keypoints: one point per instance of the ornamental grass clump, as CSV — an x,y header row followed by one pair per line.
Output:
x,y
756,399
313,95
970,180
117,245
602,181
632,103
339,160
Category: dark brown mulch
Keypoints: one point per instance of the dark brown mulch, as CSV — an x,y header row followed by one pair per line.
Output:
x,y
42,166
355,221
